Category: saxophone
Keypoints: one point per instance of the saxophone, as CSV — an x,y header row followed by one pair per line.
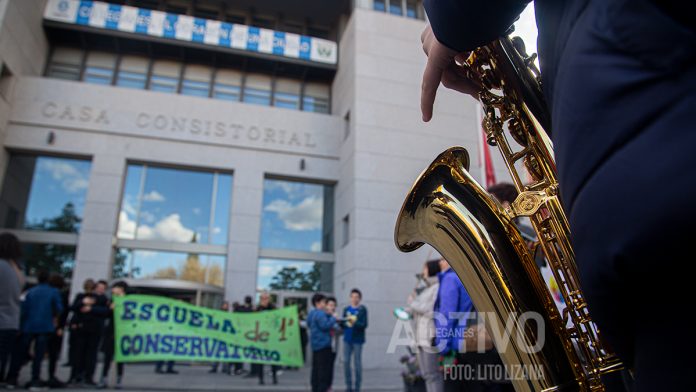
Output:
x,y
449,210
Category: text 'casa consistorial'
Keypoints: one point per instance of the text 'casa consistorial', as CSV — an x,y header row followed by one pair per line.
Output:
x,y
177,125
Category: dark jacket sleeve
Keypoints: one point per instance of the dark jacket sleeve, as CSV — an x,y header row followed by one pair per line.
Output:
x,y
77,303
465,25
361,322
101,306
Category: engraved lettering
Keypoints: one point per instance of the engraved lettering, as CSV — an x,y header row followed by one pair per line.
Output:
x,y
254,133
308,140
294,140
49,110
270,135
143,120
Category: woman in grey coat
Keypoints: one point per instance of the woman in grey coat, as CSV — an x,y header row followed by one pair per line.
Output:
x,y
11,283
421,309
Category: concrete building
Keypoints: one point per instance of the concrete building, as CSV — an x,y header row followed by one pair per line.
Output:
x,y
210,149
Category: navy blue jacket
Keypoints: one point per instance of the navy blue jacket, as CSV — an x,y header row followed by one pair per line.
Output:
x,y
659,33
355,333
620,79
320,324
41,304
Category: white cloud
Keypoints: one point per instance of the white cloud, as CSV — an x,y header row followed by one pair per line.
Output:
x,y
153,196
147,216
71,179
294,190
267,271
128,206
126,227
315,247
306,215
169,228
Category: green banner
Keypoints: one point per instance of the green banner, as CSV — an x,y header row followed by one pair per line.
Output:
x,y
151,328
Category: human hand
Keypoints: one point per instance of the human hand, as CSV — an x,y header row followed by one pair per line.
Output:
x,y
442,68
88,301
86,308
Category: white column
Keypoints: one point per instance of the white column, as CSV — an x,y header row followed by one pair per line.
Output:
x,y
245,227
100,219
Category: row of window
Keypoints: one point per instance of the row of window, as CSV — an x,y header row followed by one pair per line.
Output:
x,y
407,8
48,194
169,76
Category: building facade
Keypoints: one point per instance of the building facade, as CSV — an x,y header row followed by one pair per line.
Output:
x,y
208,149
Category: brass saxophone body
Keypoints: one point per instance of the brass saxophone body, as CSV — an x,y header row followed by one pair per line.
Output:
x,y
449,210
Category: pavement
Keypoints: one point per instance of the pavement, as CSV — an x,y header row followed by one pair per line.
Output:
x,y
196,377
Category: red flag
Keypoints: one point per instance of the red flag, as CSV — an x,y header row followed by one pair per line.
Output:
x,y
488,162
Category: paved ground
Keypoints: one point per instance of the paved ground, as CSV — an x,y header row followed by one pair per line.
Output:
x,y
141,377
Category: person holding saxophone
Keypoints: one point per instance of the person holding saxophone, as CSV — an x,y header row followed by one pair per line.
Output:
x,y
619,77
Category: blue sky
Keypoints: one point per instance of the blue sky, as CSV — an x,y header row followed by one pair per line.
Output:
x,y
56,182
292,215
176,204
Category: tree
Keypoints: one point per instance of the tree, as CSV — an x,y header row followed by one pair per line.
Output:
x,y
290,278
119,269
166,273
50,257
66,221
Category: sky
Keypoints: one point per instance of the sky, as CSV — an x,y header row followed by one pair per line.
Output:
x,y
526,29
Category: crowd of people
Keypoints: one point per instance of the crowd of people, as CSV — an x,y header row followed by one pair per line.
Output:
x,y
36,317
33,323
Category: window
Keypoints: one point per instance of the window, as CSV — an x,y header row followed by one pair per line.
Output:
x,y
395,7
156,206
297,216
263,22
316,98
44,193
287,93
200,11
132,72
196,80
257,89
59,259
147,4
99,68
292,27
176,7
235,18
412,9
65,63
317,31
299,275
227,85
147,264
379,5
165,76
139,72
